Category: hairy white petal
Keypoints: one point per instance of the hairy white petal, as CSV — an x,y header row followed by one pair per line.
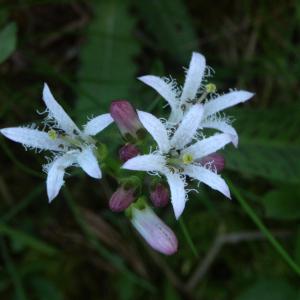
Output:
x,y
225,101
208,177
149,162
155,127
33,138
193,77
224,127
97,124
208,145
178,194
88,162
56,172
162,87
58,113
188,127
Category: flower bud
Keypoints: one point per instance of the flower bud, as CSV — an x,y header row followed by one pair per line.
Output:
x,y
128,151
160,195
215,160
121,199
156,233
126,119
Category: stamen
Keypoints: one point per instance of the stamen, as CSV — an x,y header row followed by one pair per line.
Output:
x,y
187,158
210,88
52,134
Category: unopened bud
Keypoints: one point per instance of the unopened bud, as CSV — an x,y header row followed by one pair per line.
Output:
x,y
126,119
160,195
215,160
155,232
121,199
128,151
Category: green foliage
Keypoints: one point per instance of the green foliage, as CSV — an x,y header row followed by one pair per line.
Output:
x,y
107,68
92,51
169,24
269,145
269,289
283,203
8,41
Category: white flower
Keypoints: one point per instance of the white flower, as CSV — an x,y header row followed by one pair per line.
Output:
x,y
70,145
194,91
177,156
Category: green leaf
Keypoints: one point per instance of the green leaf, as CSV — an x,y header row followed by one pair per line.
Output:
x,y
283,204
269,289
8,41
269,144
297,249
26,239
107,69
169,23
45,289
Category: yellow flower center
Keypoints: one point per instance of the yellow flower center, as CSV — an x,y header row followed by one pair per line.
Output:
x,y
52,134
210,88
187,158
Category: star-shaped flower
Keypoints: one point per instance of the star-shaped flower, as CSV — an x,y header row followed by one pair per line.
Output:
x,y
178,155
70,145
194,91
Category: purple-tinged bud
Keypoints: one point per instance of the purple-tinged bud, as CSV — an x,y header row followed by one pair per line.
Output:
x,y
128,151
121,199
215,160
126,119
156,233
160,195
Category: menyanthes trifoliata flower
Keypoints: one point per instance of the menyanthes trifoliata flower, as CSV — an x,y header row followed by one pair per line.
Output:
x,y
155,232
70,145
178,155
194,91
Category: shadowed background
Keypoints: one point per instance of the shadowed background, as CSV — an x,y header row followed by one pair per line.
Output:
x,y
90,52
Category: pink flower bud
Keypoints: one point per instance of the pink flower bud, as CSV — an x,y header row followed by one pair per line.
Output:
x,y
126,119
121,199
160,195
216,161
128,151
156,233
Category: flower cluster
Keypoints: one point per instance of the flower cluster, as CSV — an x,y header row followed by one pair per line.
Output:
x,y
179,150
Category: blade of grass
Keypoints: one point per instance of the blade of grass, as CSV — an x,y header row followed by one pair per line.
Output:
x,y
27,239
17,208
19,290
188,237
16,162
251,213
115,260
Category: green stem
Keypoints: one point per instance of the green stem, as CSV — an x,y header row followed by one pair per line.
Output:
x,y
188,237
11,270
115,260
278,247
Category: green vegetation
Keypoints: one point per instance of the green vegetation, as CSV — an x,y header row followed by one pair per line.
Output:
x,y
90,52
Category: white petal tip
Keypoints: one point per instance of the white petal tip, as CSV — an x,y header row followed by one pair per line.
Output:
x,y
96,174
51,196
234,140
144,77
245,95
227,194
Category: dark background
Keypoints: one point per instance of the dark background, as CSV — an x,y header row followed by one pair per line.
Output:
x,y
90,52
